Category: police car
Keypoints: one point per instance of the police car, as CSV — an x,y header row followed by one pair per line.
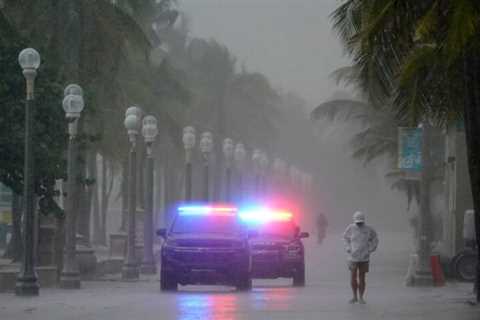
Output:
x,y
277,250
205,244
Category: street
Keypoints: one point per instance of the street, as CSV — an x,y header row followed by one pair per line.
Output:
x,y
324,297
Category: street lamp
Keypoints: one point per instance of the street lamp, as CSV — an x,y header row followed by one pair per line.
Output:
x,y
27,281
149,131
189,144
228,151
73,89
132,124
256,158
73,105
206,146
240,156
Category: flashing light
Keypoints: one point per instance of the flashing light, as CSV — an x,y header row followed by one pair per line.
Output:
x,y
265,215
207,211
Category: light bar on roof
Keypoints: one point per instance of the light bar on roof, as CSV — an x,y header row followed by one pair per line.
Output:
x,y
207,210
264,215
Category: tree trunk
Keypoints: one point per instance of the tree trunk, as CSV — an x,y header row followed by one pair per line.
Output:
x,y
83,203
15,246
97,226
59,244
106,193
141,176
472,130
124,192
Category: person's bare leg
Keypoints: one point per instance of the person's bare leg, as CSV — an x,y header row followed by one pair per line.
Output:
x,y
361,286
354,284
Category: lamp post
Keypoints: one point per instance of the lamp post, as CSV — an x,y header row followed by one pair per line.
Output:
x,y
240,156
73,105
189,144
27,282
149,131
206,146
264,173
228,150
256,158
132,123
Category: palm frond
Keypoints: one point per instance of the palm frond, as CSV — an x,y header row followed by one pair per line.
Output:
x,y
341,109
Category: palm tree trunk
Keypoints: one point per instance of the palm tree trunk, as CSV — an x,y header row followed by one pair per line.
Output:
x,y
97,227
59,244
124,192
472,130
106,193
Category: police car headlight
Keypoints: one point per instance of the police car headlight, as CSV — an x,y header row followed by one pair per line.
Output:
x,y
294,249
170,244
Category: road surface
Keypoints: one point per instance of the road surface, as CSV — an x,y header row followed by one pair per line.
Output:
x,y
325,296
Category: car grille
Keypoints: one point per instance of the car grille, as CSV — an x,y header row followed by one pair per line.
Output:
x,y
204,258
266,247
204,244
266,256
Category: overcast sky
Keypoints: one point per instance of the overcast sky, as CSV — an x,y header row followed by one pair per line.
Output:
x,y
289,40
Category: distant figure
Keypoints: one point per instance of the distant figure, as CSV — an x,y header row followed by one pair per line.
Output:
x,y
360,241
322,224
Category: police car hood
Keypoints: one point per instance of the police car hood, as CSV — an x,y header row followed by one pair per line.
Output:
x,y
204,239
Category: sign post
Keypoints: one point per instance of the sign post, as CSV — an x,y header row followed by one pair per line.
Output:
x,y
410,149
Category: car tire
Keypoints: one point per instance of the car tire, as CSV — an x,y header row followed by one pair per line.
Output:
x,y
465,266
299,276
167,280
244,283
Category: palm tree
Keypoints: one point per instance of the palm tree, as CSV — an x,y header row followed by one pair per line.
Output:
x,y
377,138
423,56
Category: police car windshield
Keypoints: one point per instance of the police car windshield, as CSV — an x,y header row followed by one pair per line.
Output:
x,y
206,224
277,229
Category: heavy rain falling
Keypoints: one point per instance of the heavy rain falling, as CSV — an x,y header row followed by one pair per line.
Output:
x,y
239,159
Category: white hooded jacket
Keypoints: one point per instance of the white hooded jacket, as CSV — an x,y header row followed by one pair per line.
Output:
x,y
360,242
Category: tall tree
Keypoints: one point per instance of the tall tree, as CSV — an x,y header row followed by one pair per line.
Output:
x,y
423,56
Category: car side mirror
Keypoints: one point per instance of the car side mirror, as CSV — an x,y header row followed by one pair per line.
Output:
x,y
161,232
304,235
252,234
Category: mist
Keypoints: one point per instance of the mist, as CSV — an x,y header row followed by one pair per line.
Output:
x,y
292,43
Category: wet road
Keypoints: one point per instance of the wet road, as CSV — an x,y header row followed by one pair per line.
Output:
x,y
325,296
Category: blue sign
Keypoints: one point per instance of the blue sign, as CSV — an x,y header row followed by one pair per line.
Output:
x,y
410,149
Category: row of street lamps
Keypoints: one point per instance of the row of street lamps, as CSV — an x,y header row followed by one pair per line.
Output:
x,y
234,154
149,129
73,105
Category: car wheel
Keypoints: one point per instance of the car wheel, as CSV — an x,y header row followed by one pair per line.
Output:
x,y
465,266
244,283
299,276
167,280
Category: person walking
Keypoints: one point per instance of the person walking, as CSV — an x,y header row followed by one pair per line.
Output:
x,y
322,224
360,241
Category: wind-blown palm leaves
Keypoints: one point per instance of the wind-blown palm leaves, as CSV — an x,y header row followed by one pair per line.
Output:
x,y
377,137
423,58
103,48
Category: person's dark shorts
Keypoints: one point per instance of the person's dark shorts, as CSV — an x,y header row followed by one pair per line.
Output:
x,y
361,266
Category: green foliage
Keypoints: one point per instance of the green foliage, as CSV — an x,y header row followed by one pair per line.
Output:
x,y
49,125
